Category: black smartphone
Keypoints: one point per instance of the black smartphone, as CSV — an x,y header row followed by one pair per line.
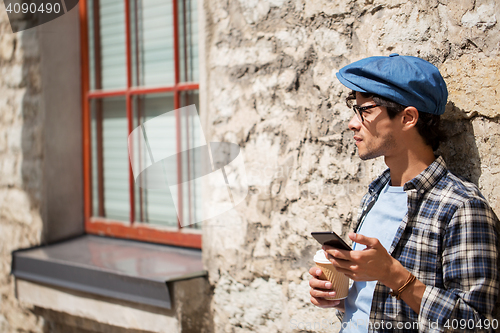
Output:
x,y
330,238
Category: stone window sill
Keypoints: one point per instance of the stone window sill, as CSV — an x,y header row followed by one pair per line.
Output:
x,y
121,269
129,285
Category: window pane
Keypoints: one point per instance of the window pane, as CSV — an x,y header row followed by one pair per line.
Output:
x,y
191,164
110,162
113,56
155,205
188,40
107,57
152,42
90,9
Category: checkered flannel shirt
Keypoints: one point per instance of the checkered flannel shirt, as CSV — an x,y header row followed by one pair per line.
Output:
x,y
449,241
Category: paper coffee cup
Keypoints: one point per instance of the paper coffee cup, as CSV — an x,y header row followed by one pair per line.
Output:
x,y
340,282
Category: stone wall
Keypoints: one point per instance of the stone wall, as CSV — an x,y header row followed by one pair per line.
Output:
x,y
270,88
21,163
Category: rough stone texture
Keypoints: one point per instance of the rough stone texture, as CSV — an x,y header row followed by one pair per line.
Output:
x,y
21,161
270,88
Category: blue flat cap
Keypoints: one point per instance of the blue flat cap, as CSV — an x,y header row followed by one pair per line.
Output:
x,y
409,81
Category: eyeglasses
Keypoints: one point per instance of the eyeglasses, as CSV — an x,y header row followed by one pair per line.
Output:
x,y
358,110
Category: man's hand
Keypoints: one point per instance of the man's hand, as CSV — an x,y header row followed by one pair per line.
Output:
x,y
320,289
375,263
370,264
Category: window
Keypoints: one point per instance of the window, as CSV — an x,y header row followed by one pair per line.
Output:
x,y
140,60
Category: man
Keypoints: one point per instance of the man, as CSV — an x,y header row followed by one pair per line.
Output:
x,y
425,251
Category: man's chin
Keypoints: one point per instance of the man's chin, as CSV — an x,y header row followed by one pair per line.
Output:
x,y
365,157
368,155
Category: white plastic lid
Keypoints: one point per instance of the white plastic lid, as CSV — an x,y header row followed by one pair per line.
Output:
x,y
320,257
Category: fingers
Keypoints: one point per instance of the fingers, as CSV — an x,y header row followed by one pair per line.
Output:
x,y
320,289
345,262
324,303
315,271
322,293
318,295
320,285
361,239
333,253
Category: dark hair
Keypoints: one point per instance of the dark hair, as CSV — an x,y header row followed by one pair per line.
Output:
x,y
428,125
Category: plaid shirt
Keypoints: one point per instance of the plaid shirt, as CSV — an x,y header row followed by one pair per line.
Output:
x,y
449,241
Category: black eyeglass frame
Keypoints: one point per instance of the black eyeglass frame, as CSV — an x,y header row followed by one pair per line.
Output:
x,y
358,110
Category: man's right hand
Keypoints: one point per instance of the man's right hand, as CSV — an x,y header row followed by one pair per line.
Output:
x,y
321,289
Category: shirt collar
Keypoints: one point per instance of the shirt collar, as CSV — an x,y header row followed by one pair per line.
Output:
x,y
428,178
378,184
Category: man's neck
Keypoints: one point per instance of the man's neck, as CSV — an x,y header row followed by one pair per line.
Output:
x,y
408,164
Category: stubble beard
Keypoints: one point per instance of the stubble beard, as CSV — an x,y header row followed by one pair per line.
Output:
x,y
373,152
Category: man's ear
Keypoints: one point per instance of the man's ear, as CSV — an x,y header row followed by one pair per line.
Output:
x,y
409,117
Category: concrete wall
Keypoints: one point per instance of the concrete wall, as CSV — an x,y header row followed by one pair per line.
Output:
x,y
41,193
270,88
68,311
61,104
21,163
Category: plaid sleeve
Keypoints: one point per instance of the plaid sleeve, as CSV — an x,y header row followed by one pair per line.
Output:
x,y
470,271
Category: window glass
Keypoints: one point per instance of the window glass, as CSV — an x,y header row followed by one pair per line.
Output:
x,y
188,40
191,164
110,162
152,64
155,205
152,43
112,38
91,42
107,57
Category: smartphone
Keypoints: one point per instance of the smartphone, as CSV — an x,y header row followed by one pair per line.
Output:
x,y
330,238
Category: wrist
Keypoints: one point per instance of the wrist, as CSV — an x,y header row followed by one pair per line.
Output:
x,y
396,275
397,293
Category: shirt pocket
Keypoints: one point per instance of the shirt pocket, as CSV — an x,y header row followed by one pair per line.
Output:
x,y
421,254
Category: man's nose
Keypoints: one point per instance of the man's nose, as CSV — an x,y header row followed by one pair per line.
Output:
x,y
354,123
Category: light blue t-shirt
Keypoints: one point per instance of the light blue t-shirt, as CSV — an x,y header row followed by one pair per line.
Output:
x,y
381,222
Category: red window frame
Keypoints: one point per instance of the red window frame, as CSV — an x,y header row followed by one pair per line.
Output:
x,y
186,237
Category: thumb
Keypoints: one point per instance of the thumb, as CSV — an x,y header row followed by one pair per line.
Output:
x,y
361,239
